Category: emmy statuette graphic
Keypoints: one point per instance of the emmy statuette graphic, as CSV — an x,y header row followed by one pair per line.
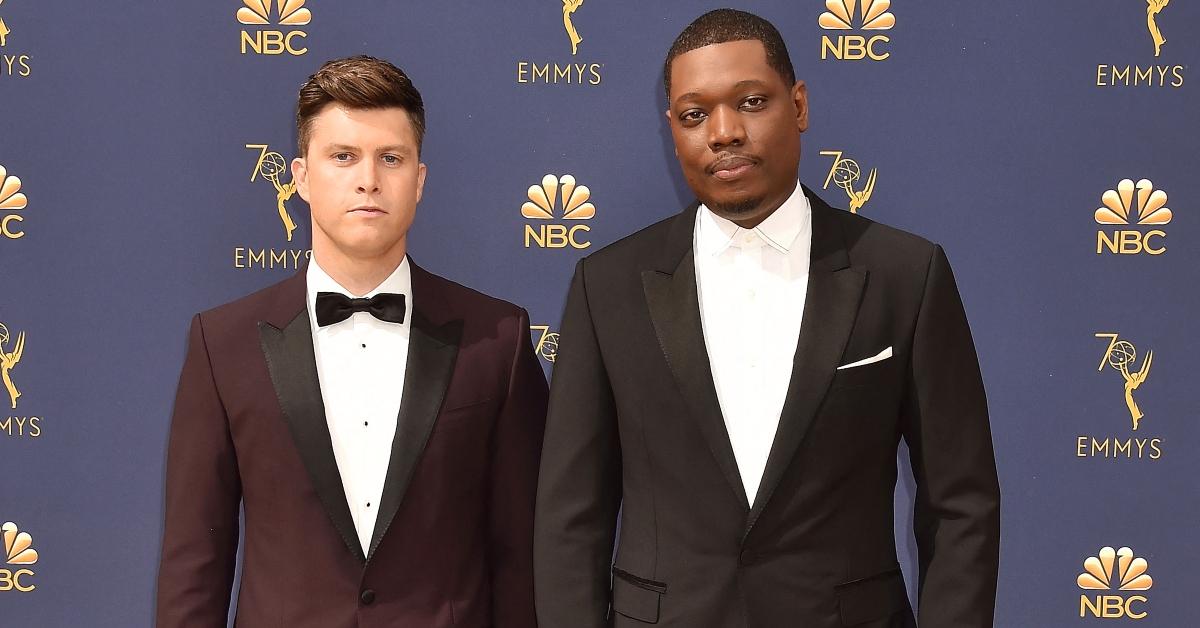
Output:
x,y
1120,356
1153,7
9,359
569,7
547,344
844,173
4,31
271,165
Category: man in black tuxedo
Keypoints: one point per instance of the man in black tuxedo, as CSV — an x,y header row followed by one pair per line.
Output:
x,y
735,380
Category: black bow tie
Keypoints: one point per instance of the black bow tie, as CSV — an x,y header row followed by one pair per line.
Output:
x,y
333,307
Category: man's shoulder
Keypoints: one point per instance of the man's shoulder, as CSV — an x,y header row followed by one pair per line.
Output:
x,y
877,246
232,328
258,304
463,301
637,245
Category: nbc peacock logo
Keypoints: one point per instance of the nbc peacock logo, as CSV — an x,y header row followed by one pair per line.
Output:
x,y
870,16
18,554
272,41
575,205
1117,571
12,201
1132,204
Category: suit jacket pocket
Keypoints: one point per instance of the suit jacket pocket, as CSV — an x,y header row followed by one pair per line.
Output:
x,y
636,598
464,413
870,598
875,373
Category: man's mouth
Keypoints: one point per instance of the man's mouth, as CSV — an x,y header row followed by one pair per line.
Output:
x,y
731,167
367,209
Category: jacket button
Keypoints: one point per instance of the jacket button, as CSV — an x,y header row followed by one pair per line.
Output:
x,y
367,597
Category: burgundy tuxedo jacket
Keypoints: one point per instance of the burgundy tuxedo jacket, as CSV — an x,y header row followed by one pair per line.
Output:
x,y
453,541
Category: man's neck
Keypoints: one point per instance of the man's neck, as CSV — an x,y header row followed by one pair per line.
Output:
x,y
359,275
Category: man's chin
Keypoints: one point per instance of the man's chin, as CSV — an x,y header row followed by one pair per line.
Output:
x,y
367,246
733,209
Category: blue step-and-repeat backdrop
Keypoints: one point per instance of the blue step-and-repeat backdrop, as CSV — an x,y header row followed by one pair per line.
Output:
x,y
1050,147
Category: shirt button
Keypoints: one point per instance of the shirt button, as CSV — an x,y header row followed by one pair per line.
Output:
x,y
367,597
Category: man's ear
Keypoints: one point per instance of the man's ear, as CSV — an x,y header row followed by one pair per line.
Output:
x,y
300,176
421,171
800,98
669,119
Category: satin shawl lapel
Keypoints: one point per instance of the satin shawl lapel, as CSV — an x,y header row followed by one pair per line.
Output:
x,y
288,348
432,350
831,306
670,289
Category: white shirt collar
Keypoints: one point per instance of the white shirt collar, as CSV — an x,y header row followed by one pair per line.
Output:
x,y
779,230
399,282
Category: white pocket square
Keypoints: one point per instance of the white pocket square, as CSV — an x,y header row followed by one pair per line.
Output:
x,y
880,357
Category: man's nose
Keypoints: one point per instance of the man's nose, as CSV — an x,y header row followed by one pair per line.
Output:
x,y
368,178
725,128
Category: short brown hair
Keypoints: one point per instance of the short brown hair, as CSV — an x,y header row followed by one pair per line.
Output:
x,y
360,82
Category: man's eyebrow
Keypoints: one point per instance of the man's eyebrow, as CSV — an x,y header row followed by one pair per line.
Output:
x,y
749,83
739,85
391,148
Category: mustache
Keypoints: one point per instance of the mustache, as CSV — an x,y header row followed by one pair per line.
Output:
x,y
729,160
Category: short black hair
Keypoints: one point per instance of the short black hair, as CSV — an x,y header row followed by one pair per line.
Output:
x,y
724,25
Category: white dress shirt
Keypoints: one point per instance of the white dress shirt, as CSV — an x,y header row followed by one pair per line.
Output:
x,y
361,363
752,284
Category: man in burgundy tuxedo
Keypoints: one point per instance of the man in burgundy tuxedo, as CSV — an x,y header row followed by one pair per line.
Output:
x,y
380,426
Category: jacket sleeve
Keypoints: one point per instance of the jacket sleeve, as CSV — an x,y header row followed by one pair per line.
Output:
x,y
203,491
516,449
945,418
579,489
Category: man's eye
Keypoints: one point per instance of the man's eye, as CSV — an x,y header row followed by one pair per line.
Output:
x,y
755,101
692,116
391,160
343,156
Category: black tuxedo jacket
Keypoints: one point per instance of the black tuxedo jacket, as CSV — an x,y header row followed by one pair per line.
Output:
x,y
635,427
453,539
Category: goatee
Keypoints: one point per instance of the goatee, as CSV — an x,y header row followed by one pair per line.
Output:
x,y
734,209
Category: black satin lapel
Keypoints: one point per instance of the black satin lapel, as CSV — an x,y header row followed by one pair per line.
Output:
x,y
675,311
293,367
432,351
830,308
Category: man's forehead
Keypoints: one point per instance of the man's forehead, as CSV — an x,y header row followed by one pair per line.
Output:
x,y
717,65
336,118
